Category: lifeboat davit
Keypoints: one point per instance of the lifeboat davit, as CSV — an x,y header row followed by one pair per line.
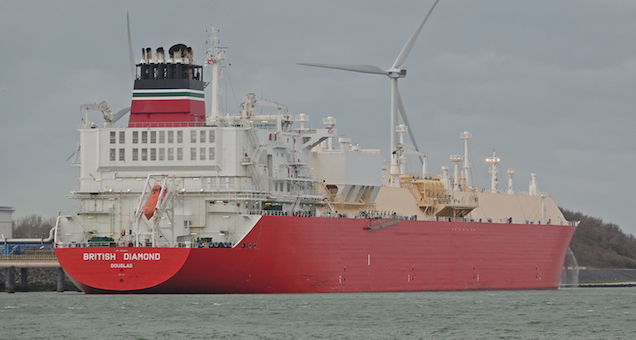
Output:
x,y
151,203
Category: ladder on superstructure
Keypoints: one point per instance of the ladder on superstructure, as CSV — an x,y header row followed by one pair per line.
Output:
x,y
252,164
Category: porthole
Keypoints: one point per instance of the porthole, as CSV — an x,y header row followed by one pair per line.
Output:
x,y
249,246
254,245
243,245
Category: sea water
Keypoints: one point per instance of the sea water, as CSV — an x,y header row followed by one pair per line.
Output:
x,y
579,313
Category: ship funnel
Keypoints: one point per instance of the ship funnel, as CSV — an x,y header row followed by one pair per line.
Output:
x,y
161,55
189,53
177,51
163,74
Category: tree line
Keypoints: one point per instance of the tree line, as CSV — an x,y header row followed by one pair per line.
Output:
x,y
601,245
32,226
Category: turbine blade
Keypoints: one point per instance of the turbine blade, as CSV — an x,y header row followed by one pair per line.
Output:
x,y
77,150
71,156
130,52
120,114
354,68
409,44
410,151
406,122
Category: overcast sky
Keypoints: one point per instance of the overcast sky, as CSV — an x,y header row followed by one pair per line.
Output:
x,y
548,84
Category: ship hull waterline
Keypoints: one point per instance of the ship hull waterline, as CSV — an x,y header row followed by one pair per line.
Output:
x,y
284,254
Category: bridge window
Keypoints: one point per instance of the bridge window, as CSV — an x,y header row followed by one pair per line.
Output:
x,y
112,154
144,154
153,154
193,154
202,154
202,136
211,136
179,154
135,154
162,136
162,154
135,137
193,136
122,137
144,137
212,154
153,136
170,136
179,136
112,137
170,154
122,155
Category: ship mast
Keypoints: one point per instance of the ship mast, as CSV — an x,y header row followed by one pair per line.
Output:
x,y
466,136
456,159
214,57
493,171
510,173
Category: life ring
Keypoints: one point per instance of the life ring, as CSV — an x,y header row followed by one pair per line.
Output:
x,y
330,130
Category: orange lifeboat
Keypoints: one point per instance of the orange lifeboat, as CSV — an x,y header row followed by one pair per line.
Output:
x,y
151,203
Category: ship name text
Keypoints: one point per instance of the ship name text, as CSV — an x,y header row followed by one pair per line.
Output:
x,y
142,256
100,256
127,256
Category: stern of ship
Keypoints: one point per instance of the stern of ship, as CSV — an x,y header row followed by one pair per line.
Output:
x,y
120,269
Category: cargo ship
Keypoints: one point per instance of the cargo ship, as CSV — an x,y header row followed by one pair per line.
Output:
x,y
180,200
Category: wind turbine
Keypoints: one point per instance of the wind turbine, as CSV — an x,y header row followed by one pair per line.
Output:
x,y
394,73
130,52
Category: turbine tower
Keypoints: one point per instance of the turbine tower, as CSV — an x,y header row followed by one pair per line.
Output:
x,y
394,73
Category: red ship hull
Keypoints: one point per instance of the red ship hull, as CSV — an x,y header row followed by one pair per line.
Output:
x,y
305,255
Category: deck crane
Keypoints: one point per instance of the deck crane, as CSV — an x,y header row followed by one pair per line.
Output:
x,y
109,117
